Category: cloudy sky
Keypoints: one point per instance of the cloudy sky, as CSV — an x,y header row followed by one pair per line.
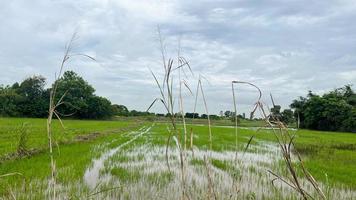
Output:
x,y
284,47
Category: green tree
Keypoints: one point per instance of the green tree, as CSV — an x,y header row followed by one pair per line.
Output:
x,y
98,108
333,111
214,117
76,93
33,101
276,111
228,114
287,116
80,100
9,100
204,116
191,115
120,110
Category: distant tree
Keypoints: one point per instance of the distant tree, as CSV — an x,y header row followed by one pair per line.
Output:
x,y
139,113
233,118
33,101
77,93
299,106
204,116
228,113
120,110
178,114
98,108
287,116
188,115
9,100
80,100
332,111
276,111
345,93
214,117
191,115
134,113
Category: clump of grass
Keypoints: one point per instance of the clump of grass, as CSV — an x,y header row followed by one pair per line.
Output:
x,y
161,178
196,161
125,175
22,145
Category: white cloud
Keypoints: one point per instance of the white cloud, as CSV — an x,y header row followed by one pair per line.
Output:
x,y
349,76
285,48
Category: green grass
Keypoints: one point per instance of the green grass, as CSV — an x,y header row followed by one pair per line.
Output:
x,y
331,153
37,136
125,175
73,156
220,122
330,156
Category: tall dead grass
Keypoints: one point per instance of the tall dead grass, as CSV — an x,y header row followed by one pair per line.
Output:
x,y
56,101
166,89
280,130
286,142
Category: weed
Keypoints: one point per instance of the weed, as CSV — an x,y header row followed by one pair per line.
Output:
x,y
22,146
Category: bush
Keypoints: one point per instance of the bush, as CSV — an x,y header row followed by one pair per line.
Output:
x,y
333,111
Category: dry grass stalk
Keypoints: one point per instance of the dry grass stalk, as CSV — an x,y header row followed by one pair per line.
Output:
x,y
10,174
235,111
200,88
167,99
52,110
285,141
211,190
9,188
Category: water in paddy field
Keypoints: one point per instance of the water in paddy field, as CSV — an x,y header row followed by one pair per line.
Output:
x,y
233,175
91,175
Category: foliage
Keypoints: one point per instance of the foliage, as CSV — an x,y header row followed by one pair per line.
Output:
x,y
30,99
8,101
287,116
335,110
34,97
229,114
139,113
191,115
120,110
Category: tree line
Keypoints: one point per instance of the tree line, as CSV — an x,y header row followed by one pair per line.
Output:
x,y
30,98
333,111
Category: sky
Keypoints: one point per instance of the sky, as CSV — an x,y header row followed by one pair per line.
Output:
x,y
284,47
